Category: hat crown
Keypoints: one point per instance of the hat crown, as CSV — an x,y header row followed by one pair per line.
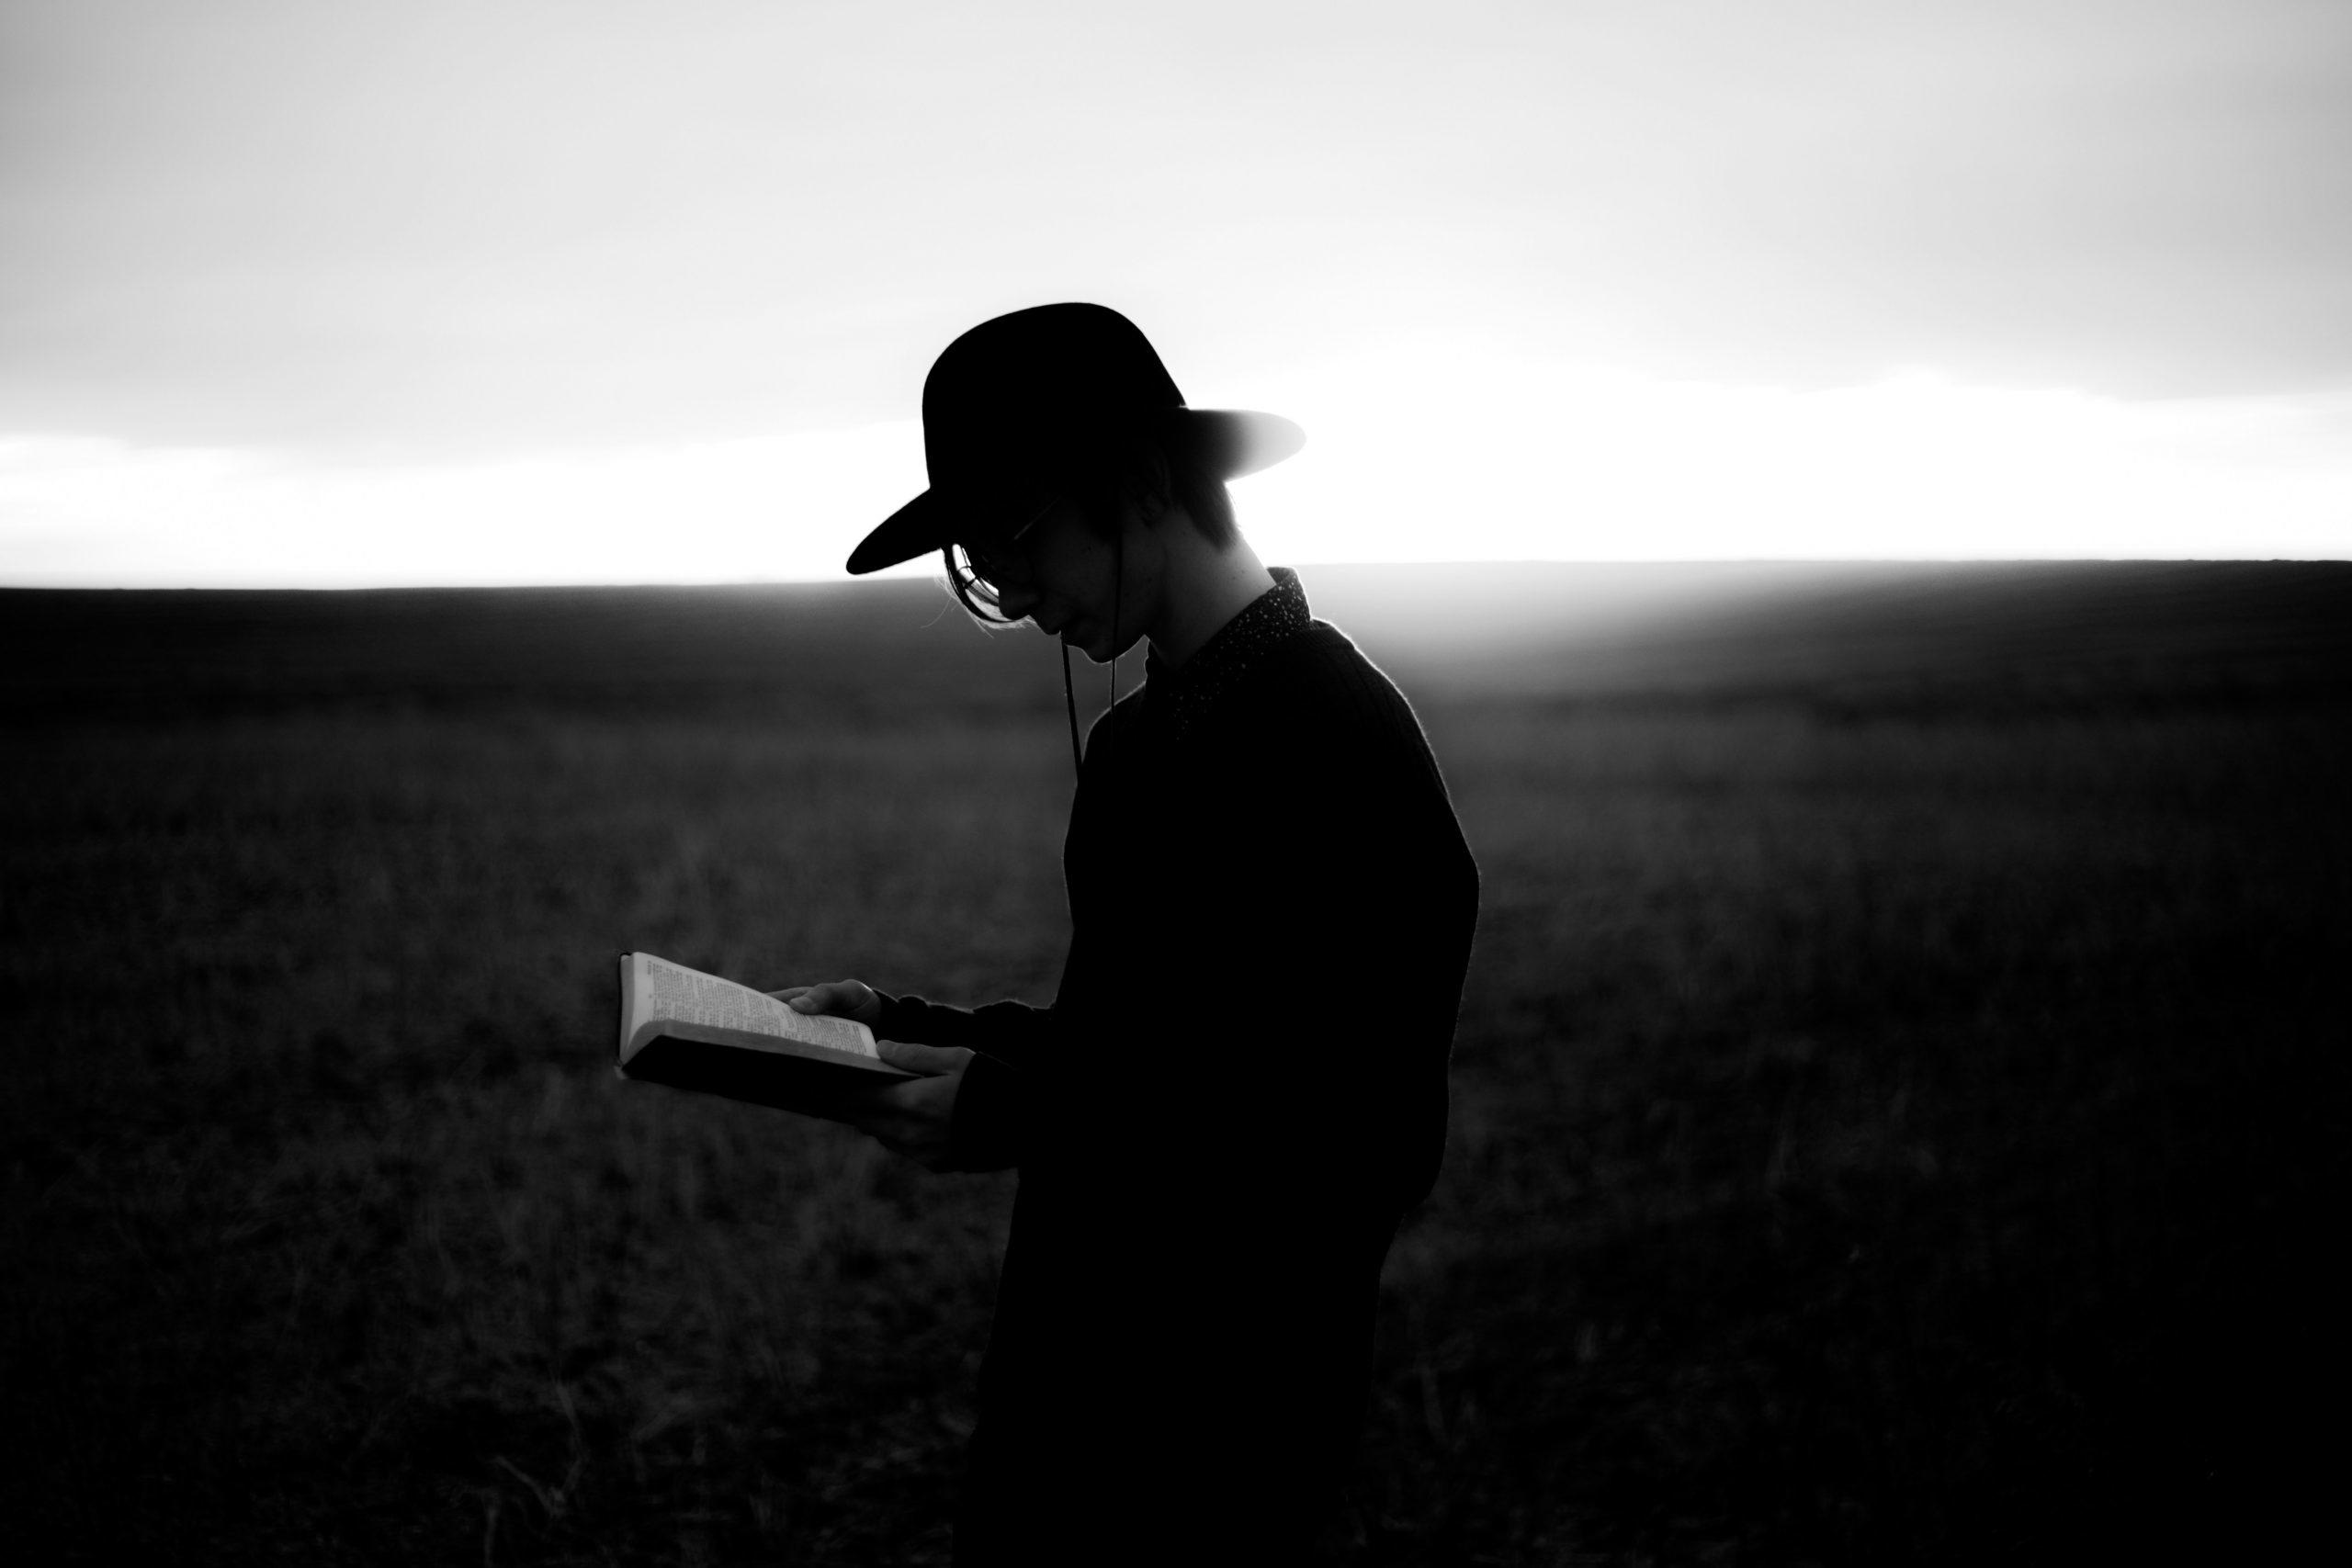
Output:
x,y
1043,396
1036,391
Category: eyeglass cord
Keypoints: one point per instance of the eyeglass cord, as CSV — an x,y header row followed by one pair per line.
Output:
x,y
1069,705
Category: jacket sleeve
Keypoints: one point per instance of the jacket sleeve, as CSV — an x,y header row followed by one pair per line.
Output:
x,y
991,1118
1017,1046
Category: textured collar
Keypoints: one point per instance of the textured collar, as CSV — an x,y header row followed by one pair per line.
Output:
x,y
1180,696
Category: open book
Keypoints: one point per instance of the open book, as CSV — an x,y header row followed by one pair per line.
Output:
x,y
694,1030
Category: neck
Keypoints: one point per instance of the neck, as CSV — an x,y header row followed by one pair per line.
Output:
x,y
1203,588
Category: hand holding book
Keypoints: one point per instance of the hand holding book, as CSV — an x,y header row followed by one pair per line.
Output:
x,y
805,1048
915,1119
842,998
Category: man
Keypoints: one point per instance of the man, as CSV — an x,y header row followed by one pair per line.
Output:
x,y
1240,1086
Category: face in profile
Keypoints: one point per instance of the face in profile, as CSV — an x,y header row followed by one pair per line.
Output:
x,y
1064,575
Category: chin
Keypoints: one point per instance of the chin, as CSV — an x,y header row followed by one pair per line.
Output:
x,y
1094,644
1105,654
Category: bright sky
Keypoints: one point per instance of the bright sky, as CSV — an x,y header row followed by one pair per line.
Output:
x,y
304,294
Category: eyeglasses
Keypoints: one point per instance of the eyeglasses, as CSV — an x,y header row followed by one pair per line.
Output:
x,y
998,560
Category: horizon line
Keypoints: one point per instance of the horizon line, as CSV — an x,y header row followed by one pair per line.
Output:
x,y
1544,563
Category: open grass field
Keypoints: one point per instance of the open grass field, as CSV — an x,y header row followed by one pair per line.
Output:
x,y
1900,1104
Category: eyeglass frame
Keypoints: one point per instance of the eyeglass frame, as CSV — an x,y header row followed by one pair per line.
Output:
x,y
1002,552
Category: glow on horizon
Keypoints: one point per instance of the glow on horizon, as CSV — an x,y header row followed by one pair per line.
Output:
x,y
1426,452
615,292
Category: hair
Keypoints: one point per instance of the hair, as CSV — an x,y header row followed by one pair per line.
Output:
x,y
1141,471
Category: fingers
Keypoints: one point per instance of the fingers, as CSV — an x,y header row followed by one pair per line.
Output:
x,y
818,998
915,1117
929,1060
842,998
914,1141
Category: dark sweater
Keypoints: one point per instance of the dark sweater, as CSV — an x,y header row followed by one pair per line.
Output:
x,y
1239,1089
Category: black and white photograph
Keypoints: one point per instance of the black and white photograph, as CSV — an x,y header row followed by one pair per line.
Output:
x,y
1533,784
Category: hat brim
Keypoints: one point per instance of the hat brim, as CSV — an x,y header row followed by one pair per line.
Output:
x,y
1229,443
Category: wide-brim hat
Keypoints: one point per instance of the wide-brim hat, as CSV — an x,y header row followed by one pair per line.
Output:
x,y
1040,396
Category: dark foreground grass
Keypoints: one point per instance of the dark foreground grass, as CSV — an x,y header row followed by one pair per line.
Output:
x,y
1902,1140
1902,1130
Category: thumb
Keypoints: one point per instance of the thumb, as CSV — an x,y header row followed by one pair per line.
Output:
x,y
929,1060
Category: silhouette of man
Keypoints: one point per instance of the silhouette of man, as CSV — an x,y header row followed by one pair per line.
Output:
x,y
1240,1085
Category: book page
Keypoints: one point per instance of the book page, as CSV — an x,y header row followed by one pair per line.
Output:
x,y
671,991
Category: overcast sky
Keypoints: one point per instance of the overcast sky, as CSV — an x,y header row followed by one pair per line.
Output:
x,y
300,292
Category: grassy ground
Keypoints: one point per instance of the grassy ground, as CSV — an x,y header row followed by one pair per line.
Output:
x,y
1889,1127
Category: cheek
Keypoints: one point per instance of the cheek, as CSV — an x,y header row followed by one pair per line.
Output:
x,y
1080,584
